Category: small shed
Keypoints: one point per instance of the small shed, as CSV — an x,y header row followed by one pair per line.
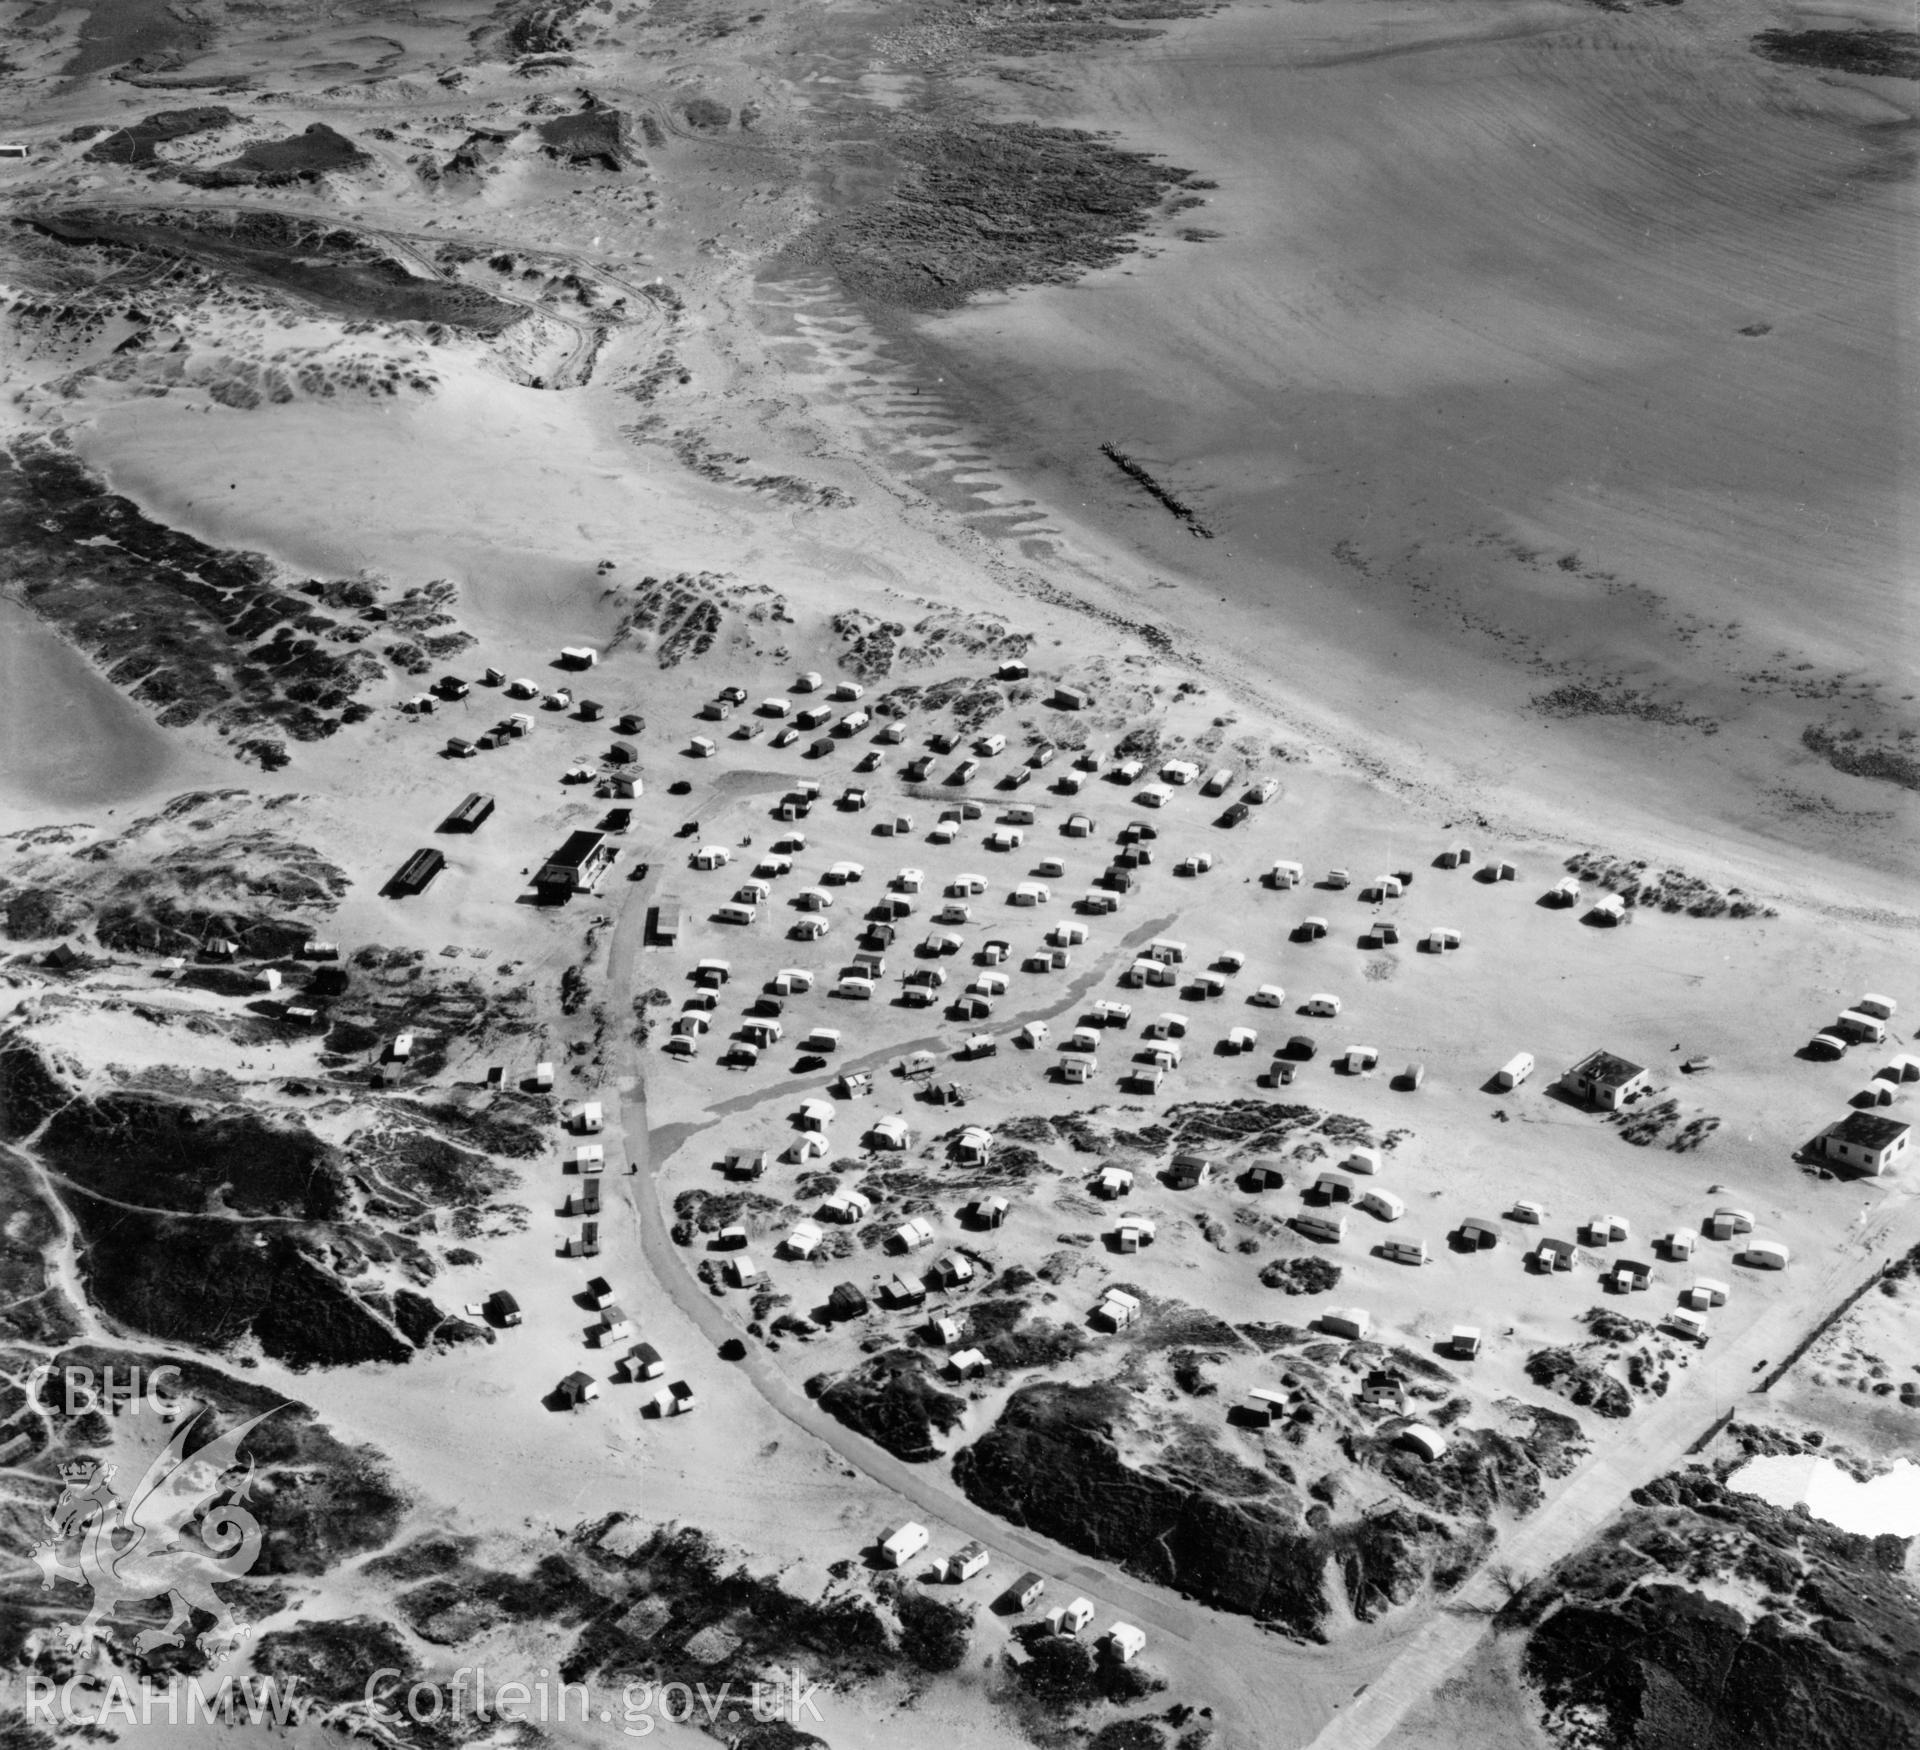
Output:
x,y
1123,1642
578,1389
1465,1342
1353,1322
845,1301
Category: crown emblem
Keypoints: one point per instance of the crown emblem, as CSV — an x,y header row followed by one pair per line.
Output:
x,y
78,1470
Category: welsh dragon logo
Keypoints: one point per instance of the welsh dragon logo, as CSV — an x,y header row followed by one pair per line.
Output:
x,y
148,1545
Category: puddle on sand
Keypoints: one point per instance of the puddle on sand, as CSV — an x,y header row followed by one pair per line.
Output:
x,y
68,739
1888,1503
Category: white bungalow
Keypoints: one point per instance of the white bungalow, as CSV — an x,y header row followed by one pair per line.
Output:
x,y
889,1133
1124,1642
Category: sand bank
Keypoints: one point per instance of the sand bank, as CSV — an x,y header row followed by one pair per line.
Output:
x,y
68,738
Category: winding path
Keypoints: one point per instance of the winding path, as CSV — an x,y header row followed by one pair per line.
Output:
x,y
1319,1676
1274,1689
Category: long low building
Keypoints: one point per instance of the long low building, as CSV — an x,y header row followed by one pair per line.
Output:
x,y
416,874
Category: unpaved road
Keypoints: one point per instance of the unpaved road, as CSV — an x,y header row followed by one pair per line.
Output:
x,y
1267,1688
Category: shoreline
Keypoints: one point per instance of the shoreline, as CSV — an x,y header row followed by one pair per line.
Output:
x,y
1460,680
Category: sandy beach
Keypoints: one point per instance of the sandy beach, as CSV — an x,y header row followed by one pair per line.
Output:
x,y
1506,413
1448,479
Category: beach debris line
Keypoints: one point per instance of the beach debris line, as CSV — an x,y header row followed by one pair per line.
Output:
x,y
1172,501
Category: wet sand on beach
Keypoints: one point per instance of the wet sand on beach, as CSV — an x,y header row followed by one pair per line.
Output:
x,y
1461,383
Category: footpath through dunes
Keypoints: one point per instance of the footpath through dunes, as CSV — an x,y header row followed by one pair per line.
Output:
x,y
1523,350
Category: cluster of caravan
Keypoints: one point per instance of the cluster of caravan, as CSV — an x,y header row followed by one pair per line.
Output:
x,y
613,1330
899,1545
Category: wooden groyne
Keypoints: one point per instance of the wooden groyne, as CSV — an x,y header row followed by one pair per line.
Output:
x,y
1171,501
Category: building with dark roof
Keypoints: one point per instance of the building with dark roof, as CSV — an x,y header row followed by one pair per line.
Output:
x,y
576,867
1603,1079
1867,1141
416,874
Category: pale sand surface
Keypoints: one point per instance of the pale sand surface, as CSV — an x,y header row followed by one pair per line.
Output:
x,y
1375,355
1478,293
